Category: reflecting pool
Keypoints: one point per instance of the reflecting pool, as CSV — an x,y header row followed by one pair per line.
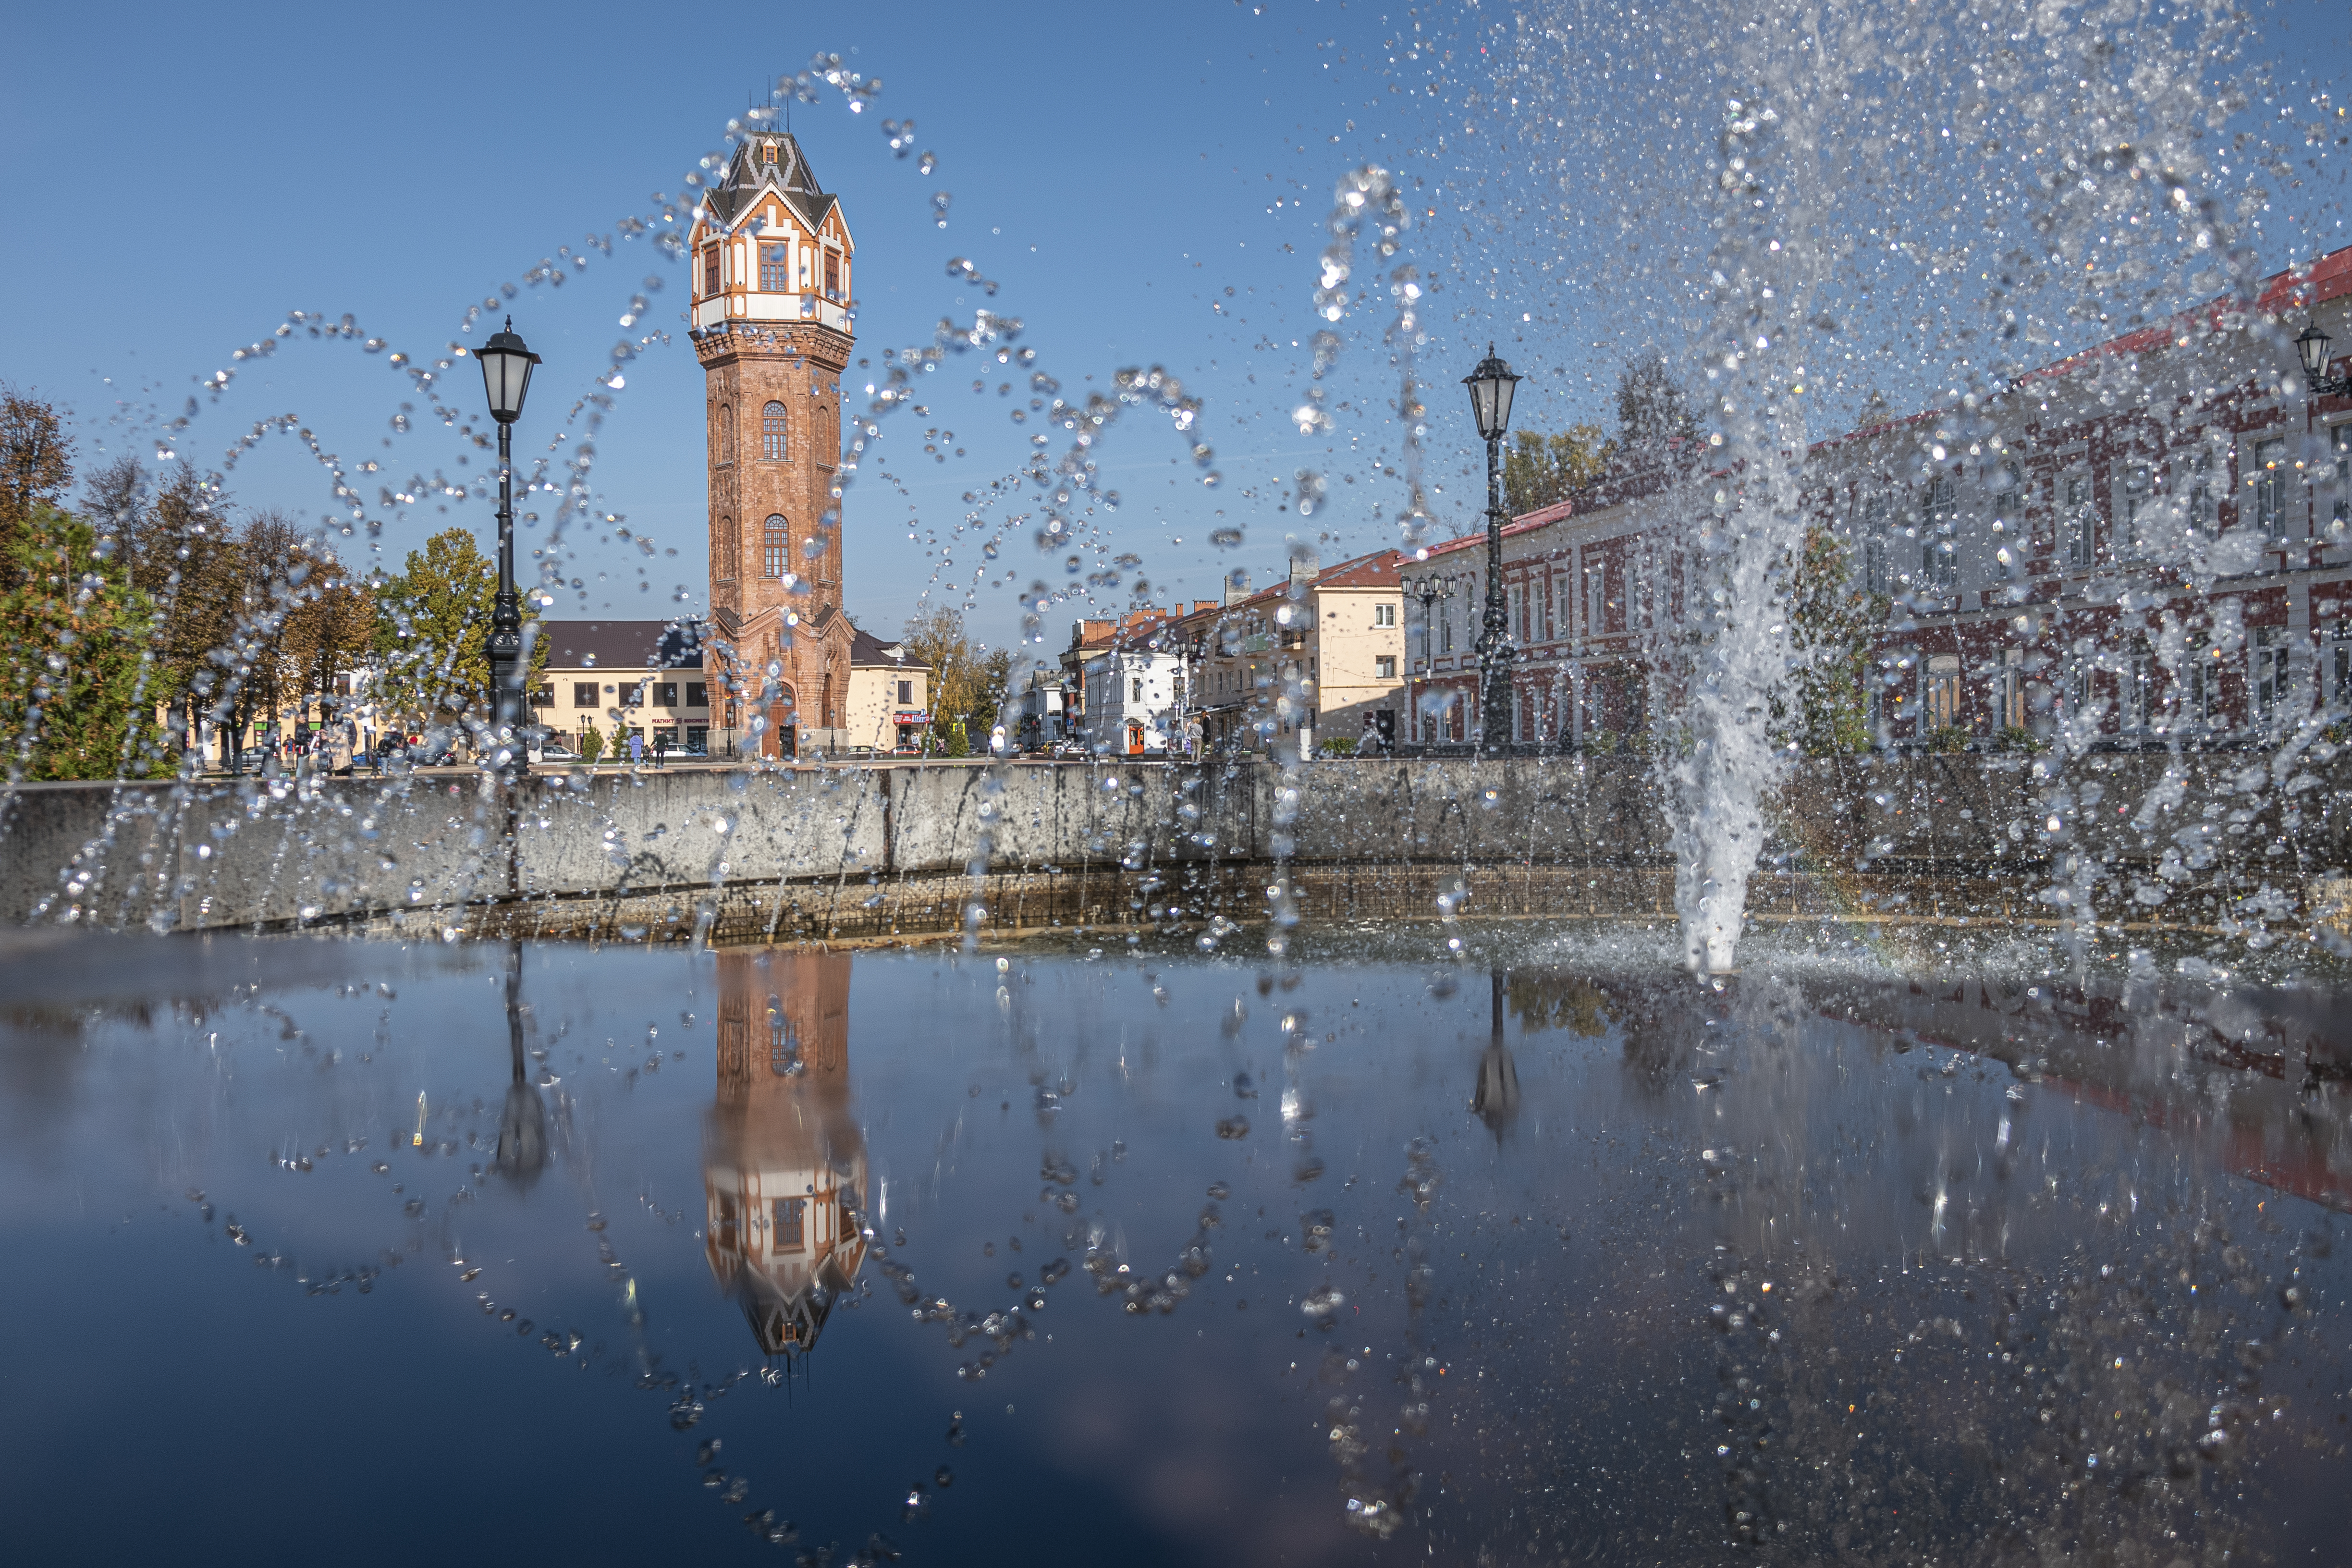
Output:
x,y
377,1252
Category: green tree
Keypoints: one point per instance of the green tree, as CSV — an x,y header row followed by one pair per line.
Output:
x,y
75,700
968,683
1830,627
1542,470
591,742
36,466
432,628
1655,420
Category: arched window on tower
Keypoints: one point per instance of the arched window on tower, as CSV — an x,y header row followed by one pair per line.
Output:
x,y
772,547
730,550
775,426
726,434
828,437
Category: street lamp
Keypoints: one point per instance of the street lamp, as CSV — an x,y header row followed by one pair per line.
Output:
x,y
2313,348
506,377
1432,591
1491,386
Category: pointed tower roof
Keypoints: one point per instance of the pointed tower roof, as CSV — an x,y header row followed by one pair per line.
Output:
x,y
750,175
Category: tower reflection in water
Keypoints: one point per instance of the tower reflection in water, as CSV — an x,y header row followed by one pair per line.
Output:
x,y
783,1166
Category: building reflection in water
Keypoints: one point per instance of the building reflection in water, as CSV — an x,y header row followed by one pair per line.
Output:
x,y
783,1166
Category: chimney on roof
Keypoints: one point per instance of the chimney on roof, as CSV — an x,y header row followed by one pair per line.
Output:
x,y
1237,584
1304,562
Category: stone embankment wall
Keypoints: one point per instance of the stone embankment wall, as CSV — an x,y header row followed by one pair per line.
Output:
x,y
841,853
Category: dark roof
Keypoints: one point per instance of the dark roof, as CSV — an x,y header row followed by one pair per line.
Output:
x,y
623,645
865,647
789,176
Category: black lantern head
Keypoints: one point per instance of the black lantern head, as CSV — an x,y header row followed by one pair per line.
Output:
x,y
1491,385
2313,347
506,373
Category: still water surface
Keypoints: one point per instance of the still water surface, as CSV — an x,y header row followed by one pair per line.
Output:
x,y
375,1253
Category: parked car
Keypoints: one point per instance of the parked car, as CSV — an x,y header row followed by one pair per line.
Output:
x,y
557,752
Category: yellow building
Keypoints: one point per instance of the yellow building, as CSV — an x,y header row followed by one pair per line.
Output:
x,y
889,697
1340,633
624,678
783,1163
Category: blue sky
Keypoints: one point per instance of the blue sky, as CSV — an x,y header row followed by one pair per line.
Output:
x,y
1146,184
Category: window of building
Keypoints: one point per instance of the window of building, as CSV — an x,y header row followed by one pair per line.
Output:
x,y
906,694
2077,522
666,694
775,425
2197,688
698,695
1940,694
583,694
832,275
1870,526
724,553
2012,688
1939,510
710,269
633,694
1138,695
2340,663
2268,482
2340,486
1385,615
726,434
1596,598
790,1231
2269,675
775,277
2203,514
768,153
2135,684
773,547
1385,666
2140,490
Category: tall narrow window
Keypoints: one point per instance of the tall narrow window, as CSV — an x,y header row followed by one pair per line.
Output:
x,y
2339,511
710,269
1870,523
2339,664
832,275
2198,681
2134,684
774,427
1939,561
2012,688
2270,676
2268,482
1942,690
790,1230
2203,515
774,276
772,547
2077,523
727,550
726,434
2139,490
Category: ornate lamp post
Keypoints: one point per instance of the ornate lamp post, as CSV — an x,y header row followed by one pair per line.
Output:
x,y
1491,385
506,377
1433,590
2312,348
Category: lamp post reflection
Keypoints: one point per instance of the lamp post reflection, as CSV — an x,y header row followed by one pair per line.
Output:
x,y
1498,1100
783,1166
522,1124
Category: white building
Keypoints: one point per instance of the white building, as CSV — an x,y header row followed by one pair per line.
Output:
x,y
1131,698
